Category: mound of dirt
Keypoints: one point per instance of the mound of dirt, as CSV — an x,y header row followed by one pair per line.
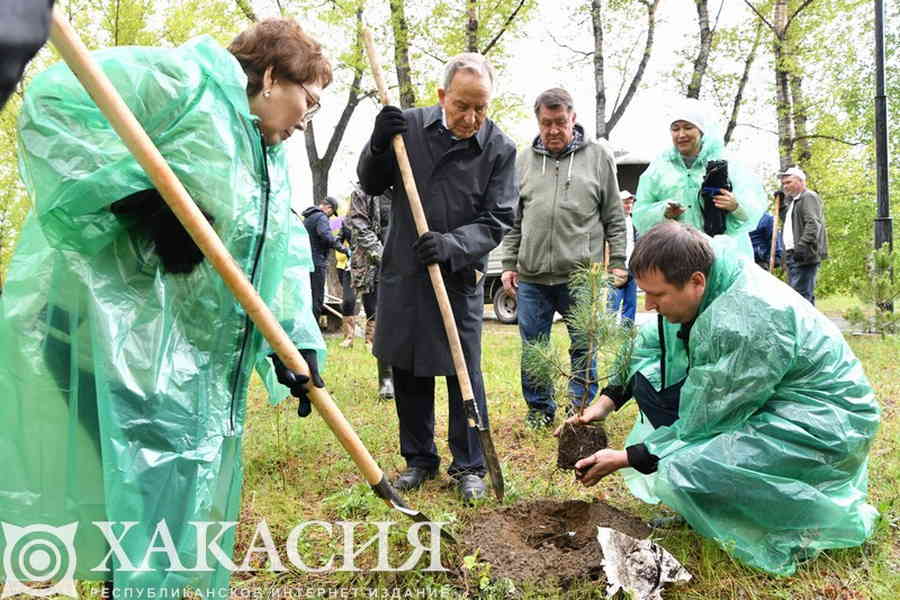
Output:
x,y
545,538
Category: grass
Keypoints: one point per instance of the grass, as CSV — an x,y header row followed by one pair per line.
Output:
x,y
296,471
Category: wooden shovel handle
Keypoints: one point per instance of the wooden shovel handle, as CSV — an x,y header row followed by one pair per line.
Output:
x,y
145,152
415,204
774,235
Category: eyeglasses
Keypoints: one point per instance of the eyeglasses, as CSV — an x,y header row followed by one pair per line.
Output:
x,y
312,108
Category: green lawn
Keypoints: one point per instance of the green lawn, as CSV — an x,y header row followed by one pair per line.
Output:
x,y
296,471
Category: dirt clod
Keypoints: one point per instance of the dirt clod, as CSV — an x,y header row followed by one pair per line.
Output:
x,y
578,441
547,539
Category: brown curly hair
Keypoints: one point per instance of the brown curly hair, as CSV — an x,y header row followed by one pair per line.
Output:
x,y
283,45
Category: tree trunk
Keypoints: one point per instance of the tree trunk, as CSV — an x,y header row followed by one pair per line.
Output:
x,y
702,59
619,110
401,54
316,166
798,102
782,92
599,78
739,95
472,26
320,167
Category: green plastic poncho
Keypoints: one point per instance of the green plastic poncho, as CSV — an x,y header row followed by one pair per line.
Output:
x,y
667,178
768,455
123,388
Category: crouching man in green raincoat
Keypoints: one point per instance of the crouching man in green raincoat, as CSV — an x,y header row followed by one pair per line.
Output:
x,y
124,359
756,417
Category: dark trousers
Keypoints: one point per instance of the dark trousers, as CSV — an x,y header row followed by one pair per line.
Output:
x,y
317,284
414,397
348,294
536,305
370,303
802,278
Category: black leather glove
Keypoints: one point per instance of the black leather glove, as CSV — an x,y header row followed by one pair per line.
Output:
x,y
431,247
389,122
297,382
802,255
147,211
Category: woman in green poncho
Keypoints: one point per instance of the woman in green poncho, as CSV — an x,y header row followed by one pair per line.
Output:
x,y
124,359
671,186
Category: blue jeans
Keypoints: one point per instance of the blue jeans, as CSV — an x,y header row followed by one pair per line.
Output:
x,y
802,278
536,305
626,297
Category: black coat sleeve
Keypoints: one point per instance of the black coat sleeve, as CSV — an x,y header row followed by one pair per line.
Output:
x,y
376,171
472,241
24,26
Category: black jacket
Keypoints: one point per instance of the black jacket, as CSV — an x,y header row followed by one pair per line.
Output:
x,y
469,193
321,240
24,26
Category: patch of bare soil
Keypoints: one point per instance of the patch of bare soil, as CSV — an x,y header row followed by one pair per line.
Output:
x,y
578,441
547,539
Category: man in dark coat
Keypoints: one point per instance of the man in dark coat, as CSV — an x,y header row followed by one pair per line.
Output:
x,y
464,168
321,241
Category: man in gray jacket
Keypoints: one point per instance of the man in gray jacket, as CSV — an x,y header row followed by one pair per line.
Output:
x,y
804,235
568,208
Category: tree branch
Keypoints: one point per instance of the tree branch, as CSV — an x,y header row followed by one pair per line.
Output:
x,y
619,110
503,29
831,138
739,95
245,7
797,12
569,48
762,18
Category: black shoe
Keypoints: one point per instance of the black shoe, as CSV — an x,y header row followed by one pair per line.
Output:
x,y
470,487
412,478
537,419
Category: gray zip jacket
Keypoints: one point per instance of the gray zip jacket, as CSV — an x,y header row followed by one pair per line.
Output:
x,y
568,207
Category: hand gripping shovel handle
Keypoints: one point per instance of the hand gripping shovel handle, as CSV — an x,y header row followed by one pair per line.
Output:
x,y
135,138
434,272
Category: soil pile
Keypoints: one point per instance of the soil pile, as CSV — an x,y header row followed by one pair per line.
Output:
x,y
545,539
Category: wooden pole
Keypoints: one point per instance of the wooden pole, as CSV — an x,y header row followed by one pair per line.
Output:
x,y
774,244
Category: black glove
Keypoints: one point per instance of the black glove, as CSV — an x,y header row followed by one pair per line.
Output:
x,y
389,122
147,211
802,255
342,250
431,247
297,382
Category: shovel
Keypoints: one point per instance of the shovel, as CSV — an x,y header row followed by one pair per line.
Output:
x,y
120,117
434,271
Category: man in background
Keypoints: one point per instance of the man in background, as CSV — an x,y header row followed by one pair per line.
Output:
x,y
569,207
625,297
804,234
321,241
